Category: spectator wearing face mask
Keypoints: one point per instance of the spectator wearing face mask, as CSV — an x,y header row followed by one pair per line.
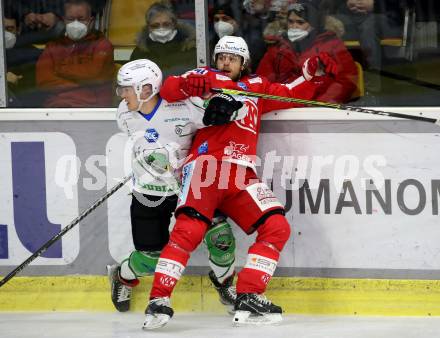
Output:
x,y
224,23
256,16
304,39
40,21
166,41
20,64
77,70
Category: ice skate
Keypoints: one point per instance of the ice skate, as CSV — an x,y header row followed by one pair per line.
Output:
x,y
255,309
120,289
158,313
226,291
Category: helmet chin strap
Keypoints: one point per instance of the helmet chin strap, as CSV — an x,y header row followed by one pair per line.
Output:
x,y
141,102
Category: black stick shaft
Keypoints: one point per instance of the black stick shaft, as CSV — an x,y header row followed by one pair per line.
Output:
x,y
326,105
55,238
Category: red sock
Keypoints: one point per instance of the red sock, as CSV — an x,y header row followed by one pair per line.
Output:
x,y
187,234
263,255
169,269
258,270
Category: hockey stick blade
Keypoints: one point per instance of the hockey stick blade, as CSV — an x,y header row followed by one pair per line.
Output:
x,y
326,105
55,238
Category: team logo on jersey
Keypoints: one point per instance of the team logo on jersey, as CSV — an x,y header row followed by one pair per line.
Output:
x,y
237,150
249,122
183,129
203,148
242,85
151,135
158,162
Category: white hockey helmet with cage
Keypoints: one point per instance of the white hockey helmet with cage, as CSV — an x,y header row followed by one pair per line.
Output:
x,y
232,45
139,73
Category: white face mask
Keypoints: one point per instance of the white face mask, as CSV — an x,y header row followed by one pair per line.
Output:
x,y
162,35
76,30
223,28
296,34
10,39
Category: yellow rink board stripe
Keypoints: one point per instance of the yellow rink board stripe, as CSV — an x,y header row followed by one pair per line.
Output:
x,y
195,294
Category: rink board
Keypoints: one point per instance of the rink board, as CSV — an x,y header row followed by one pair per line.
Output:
x,y
356,247
196,294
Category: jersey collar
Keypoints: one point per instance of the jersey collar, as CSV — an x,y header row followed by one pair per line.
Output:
x,y
149,116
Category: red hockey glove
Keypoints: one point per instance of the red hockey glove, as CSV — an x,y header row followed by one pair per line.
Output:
x,y
329,64
318,66
195,85
311,69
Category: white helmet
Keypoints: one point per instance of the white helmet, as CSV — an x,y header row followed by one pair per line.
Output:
x,y
233,45
138,73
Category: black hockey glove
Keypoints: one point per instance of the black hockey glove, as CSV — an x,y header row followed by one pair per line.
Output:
x,y
220,109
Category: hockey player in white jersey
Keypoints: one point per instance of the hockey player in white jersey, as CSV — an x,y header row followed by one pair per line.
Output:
x,y
161,134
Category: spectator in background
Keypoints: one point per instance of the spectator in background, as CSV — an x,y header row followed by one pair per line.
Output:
x,y
363,22
275,29
40,20
77,70
20,64
165,41
224,23
255,17
305,39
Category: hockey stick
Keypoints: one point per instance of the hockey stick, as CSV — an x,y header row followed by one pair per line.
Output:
x,y
326,105
55,238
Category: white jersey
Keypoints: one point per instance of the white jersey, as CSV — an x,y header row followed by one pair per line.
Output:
x,y
160,142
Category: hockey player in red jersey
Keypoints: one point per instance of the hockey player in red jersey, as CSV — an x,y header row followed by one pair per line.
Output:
x,y
160,135
220,174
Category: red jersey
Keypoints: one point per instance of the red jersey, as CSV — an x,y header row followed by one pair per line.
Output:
x,y
237,141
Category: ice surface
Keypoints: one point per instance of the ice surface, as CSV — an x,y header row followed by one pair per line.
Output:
x,y
128,325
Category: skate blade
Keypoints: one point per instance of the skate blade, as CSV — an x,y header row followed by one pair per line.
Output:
x,y
154,322
229,307
242,318
230,310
